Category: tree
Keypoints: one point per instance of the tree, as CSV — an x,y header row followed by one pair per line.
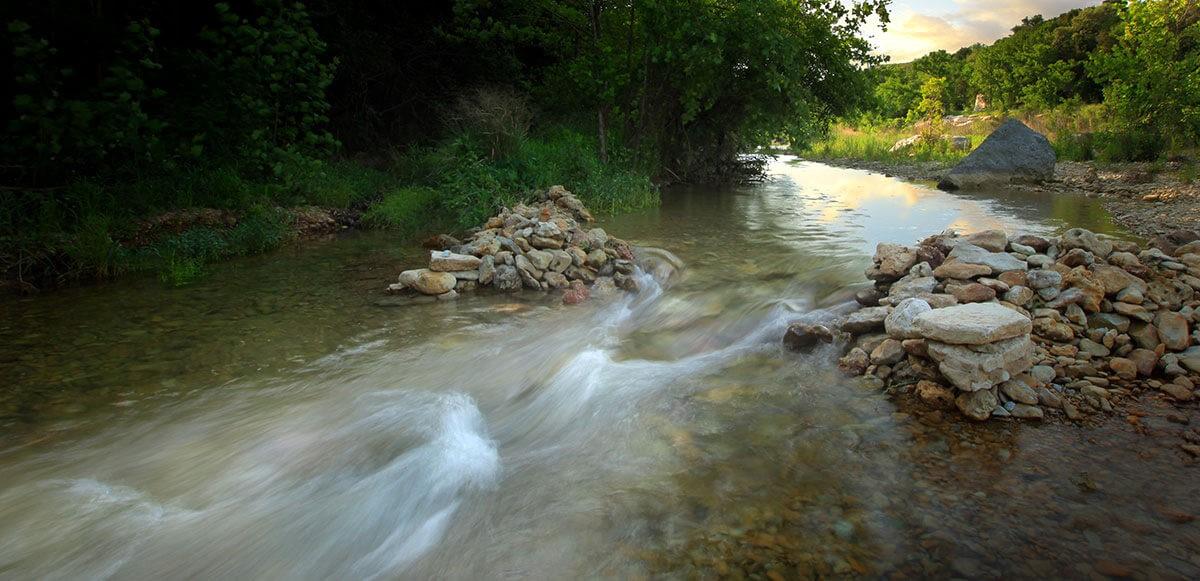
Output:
x,y
1152,74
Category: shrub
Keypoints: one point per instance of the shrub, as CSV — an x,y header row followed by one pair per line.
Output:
x,y
1129,145
405,209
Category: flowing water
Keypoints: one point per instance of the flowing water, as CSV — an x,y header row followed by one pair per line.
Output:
x,y
285,419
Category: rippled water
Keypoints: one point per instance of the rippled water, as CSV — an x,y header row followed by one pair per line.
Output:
x,y
284,419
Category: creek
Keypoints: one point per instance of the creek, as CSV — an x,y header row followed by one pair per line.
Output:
x,y
283,418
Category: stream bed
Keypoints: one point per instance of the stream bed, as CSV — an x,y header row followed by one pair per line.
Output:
x,y
284,418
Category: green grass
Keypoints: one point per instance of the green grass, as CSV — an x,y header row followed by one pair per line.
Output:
x,y
876,144
90,229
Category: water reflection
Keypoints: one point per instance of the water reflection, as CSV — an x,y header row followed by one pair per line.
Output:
x,y
283,419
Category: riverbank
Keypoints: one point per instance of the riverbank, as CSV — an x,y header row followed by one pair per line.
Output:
x,y
175,223
1146,199
1028,327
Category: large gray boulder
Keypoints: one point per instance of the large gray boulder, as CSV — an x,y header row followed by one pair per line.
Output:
x,y
1013,153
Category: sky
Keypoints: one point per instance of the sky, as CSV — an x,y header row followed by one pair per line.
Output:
x,y
922,26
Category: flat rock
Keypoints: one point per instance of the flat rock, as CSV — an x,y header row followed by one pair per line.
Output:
x,y
981,367
446,261
997,261
865,320
972,324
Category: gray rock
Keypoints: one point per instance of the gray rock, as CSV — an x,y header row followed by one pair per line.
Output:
x,y
972,324
507,279
1027,412
1172,330
865,320
997,261
990,240
1040,279
1019,392
1042,373
540,259
976,405
901,322
1013,153
911,286
1080,238
487,270
976,367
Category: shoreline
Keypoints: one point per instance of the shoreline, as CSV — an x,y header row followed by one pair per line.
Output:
x,y
1142,198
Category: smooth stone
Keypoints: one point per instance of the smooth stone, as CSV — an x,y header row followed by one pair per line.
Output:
x,y
997,261
1019,295
977,405
1019,392
865,320
1172,330
972,324
889,352
1086,240
446,261
900,323
801,336
911,286
991,240
1027,412
960,270
429,282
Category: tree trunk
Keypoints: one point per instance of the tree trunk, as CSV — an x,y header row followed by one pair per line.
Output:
x,y
602,125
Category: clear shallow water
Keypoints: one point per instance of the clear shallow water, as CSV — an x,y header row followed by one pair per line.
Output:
x,y
285,419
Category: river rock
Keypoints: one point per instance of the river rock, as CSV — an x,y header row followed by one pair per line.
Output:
x,y
446,261
892,261
998,262
900,323
889,352
991,240
1115,279
1013,153
865,320
972,293
980,367
1019,391
487,270
507,279
977,405
1086,240
1019,295
1172,330
911,286
1123,367
935,394
429,282
802,336
961,270
1027,412
973,324
855,362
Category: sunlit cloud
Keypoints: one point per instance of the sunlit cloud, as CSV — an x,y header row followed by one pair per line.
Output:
x,y
919,27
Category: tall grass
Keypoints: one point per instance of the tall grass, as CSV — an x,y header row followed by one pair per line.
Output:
x,y
876,144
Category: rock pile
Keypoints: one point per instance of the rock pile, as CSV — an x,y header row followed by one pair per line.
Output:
x,y
1024,326
541,246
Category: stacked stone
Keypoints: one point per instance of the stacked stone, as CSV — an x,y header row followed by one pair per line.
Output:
x,y
1016,327
541,246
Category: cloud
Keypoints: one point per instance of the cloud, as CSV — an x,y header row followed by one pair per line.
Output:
x,y
921,27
